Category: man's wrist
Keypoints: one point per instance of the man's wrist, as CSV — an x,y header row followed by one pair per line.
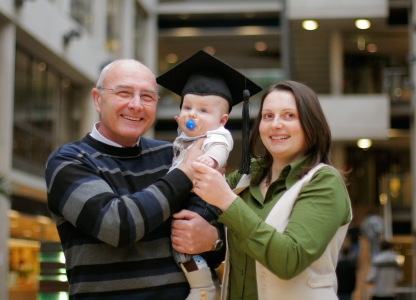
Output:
x,y
218,242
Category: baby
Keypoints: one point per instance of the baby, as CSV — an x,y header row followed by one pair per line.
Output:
x,y
203,116
208,90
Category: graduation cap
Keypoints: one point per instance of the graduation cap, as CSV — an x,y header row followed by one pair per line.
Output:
x,y
204,74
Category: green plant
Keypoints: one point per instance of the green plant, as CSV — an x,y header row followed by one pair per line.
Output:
x,y
4,188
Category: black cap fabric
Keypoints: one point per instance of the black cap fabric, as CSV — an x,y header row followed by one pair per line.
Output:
x,y
204,74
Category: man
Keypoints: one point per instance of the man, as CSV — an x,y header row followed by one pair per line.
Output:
x,y
346,274
372,229
112,199
385,273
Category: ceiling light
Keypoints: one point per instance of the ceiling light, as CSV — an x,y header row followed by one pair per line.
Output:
x,y
27,233
88,19
250,30
65,82
372,48
260,46
364,143
43,220
171,58
362,24
42,66
361,42
185,31
14,214
209,50
383,199
310,25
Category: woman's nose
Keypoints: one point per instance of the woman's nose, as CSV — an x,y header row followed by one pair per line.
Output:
x,y
277,123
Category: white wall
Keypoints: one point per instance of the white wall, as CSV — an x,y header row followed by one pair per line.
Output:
x,y
333,9
47,23
357,116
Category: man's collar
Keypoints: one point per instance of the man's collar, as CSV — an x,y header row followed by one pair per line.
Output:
x,y
99,137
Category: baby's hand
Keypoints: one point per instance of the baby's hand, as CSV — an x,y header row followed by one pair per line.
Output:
x,y
208,161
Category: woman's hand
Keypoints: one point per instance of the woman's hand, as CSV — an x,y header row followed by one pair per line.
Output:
x,y
211,186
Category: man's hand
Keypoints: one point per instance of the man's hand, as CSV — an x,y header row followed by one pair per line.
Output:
x,y
193,153
191,234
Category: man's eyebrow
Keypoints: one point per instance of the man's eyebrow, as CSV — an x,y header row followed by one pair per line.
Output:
x,y
123,87
130,87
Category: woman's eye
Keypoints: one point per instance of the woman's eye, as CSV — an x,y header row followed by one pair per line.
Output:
x,y
267,116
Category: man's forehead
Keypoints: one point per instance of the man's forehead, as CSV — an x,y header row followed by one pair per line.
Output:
x,y
127,74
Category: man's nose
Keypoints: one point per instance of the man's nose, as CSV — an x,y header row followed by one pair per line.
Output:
x,y
136,102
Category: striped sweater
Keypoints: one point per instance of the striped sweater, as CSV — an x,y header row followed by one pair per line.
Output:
x,y
112,208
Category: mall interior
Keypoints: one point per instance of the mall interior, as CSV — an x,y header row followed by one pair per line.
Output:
x,y
356,55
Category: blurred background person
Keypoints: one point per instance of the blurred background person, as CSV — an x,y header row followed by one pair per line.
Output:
x,y
385,273
346,274
372,229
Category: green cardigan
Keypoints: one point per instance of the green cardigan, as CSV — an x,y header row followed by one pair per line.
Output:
x,y
322,207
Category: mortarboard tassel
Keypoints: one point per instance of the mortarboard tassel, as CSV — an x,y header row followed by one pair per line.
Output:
x,y
244,167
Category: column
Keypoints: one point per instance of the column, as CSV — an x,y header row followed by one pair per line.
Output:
x,y
150,44
127,29
412,69
336,63
7,67
89,114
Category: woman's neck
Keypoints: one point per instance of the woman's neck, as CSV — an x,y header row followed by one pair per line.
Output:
x,y
276,168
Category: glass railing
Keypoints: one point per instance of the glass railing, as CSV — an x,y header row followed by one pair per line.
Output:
x,y
210,1
397,84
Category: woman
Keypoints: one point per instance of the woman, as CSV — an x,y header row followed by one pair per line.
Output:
x,y
287,224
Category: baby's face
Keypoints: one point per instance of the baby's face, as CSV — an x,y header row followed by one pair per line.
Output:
x,y
211,112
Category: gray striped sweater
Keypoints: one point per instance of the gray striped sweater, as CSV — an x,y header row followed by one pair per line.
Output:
x,y
112,208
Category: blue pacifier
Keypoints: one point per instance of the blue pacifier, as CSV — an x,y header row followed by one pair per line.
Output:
x,y
193,124
190,124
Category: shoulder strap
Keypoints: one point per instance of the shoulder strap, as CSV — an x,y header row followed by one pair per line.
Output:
x,y
242,184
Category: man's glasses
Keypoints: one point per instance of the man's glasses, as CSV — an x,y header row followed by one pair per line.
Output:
x,y
127,95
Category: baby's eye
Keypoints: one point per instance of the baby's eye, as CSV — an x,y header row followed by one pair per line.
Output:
x,y
187,108
203,110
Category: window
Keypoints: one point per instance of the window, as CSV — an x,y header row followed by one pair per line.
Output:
x,y
113,25
81,11
140,32
44,105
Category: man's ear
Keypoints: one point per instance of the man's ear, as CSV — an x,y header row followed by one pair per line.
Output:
x,y
96,97
224,119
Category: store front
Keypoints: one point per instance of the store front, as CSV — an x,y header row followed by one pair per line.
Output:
x,y
27,232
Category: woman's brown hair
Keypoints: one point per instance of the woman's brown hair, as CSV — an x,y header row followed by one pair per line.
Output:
x,y
312,120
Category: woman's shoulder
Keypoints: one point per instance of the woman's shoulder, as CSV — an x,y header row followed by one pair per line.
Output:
x,y
329,171
328,177
233,178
